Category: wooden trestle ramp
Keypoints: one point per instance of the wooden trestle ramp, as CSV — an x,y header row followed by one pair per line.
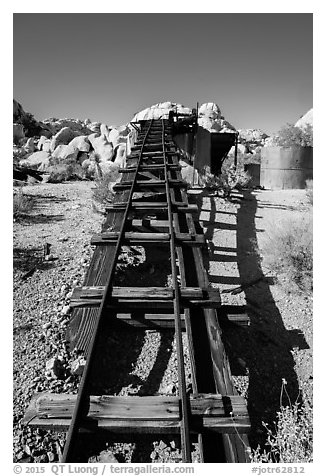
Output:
x,y
213,415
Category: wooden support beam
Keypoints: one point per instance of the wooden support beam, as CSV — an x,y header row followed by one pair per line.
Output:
x,y
129,298
208,412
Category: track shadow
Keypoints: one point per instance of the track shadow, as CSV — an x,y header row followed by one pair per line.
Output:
x,y
40,218
263,350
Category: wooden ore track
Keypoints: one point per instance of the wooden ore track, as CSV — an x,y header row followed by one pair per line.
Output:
x,y
151,208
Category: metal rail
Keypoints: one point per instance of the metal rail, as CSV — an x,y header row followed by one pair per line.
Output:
x,y
185,437
81,403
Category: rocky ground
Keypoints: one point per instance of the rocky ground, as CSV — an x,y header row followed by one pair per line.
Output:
x,y
277,345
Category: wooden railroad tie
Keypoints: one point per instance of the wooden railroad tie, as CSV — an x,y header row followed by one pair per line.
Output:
x,y
158,414
141,184
149,167
130,298
136,238
152,207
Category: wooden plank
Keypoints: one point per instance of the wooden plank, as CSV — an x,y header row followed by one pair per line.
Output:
x,y
138,414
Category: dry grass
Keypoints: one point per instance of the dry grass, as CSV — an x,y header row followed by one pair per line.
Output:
x,y
292,438
22,204
65,171
224,183
102,192
289,253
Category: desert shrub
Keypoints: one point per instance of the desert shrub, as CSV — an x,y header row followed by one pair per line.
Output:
x,y
63,170
102,192
309,191
290,135
224,183
22,204
291,439
289,253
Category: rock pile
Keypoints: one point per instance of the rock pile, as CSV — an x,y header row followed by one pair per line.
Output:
x,y
210,118
94,146
91,145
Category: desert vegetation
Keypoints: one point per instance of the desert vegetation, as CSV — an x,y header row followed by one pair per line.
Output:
x,y
23,204
290,441
290,135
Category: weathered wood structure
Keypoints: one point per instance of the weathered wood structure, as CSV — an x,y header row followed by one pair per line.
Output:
x,y
213,415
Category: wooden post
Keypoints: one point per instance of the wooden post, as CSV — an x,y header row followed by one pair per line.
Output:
x,y
236,150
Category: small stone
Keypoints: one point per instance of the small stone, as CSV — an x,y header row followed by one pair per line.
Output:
x,y
46,325
107,457
77,366
65,310
171,388
54,365
162,445
51,456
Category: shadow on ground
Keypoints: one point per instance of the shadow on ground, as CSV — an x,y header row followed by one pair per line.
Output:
x,y
261,351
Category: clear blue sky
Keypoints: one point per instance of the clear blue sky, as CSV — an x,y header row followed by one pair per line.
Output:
x,y
256,67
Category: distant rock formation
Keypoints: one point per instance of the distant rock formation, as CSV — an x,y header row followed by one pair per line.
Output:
x,y
90,144
95,144
305,120
160,111
252,135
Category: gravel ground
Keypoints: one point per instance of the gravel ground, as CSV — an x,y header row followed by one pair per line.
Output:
x,y
64,218
277,344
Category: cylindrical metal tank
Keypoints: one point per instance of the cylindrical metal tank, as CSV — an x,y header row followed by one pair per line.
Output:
x,y
285,167
254,172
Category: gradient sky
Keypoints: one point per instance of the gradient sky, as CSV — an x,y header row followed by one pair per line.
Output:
x,y
256,67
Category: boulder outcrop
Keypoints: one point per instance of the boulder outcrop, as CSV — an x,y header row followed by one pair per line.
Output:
x,y
30,146
38,160
305,120
65,152
81,143
63,137
102,147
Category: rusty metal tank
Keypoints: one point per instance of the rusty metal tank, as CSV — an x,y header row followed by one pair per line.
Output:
x,y
285,167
